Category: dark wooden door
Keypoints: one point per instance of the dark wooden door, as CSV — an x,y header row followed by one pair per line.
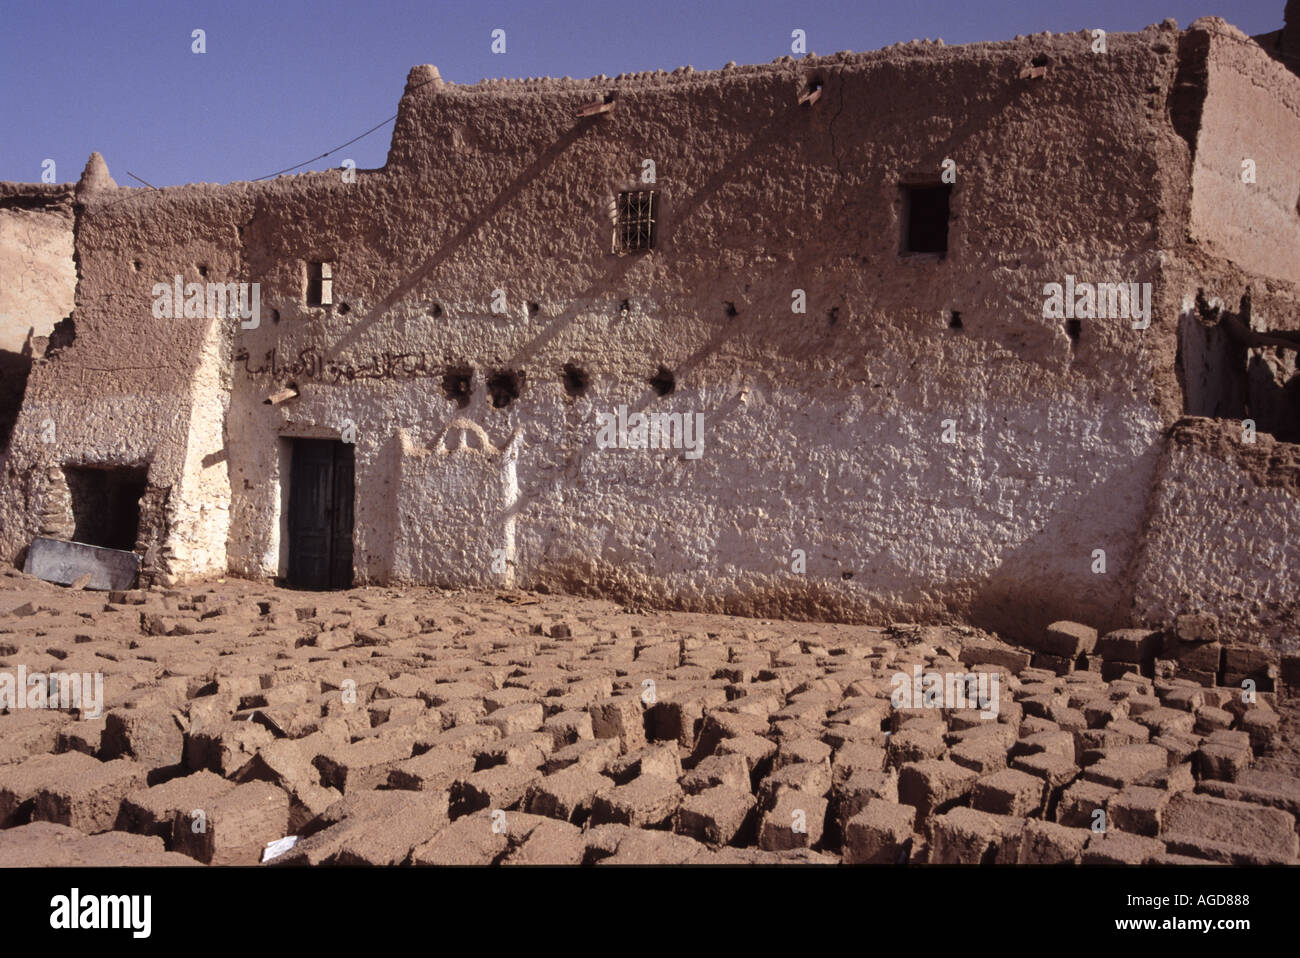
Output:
x,y
320,514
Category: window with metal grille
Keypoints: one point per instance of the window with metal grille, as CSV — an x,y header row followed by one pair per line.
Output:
x,y
637,212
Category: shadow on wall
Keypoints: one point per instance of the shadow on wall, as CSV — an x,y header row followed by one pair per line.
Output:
x,y
1026,592
1230,371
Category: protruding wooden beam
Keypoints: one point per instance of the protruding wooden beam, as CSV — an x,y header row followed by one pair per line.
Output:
x,y
279,396
810,96
592,109
1033,73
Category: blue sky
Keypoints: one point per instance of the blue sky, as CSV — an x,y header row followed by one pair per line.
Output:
x,y
285,81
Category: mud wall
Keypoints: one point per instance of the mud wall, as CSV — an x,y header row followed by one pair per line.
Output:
x,y
824,430
1222,537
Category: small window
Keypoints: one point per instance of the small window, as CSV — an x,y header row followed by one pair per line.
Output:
x,y
638,211
925,226
320,284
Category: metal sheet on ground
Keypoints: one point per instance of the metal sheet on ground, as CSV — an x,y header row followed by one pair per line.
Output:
x,y
55,560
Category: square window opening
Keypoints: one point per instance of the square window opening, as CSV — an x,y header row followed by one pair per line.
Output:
x,y
926,212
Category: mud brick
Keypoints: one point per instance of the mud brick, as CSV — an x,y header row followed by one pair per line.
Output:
x,y
1262,725
807,750
854,757
1196,656
501,787
1081,801
567,795
1121,848
636,846
284,762
681,718
915,745
20,782
551,842
306,802
1137,809
1127,732
591,754
621,718
1188,698
1057,742
647,801
715,816
86,794
1175,778
83,736
361,765
151,736
395,711
528,749
1055,770
1164,721
1210,719
236,825
755,750
932,785
795,822
1124,765
390,839
1197,627
1264,680
1247,661
503,698
1032,725
568,727
811,777
433,771
467,739
37,844
1068,640
730,771
719,724
1129,645
472,840
1117,671
988,653
152,811
1203,678
1260,788
1009,792
659,759
965,836
1056,664
853,794
879,833
512,719
224,748
982,755
1223,762
1098,714
1233,832
1047,843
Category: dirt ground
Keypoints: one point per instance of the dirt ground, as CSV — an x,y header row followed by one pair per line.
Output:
x,y
380,726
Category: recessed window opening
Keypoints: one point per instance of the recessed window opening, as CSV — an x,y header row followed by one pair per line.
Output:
x,y
638,212
926,211
320,284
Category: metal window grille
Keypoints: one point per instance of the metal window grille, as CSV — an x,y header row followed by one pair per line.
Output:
x,y
637,213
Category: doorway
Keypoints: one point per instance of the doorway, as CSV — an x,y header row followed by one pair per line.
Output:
x,y
320,514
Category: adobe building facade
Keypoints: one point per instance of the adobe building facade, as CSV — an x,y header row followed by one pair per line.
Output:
x,y
426,393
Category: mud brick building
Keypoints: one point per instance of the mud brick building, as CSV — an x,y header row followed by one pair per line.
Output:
x,y
417,399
